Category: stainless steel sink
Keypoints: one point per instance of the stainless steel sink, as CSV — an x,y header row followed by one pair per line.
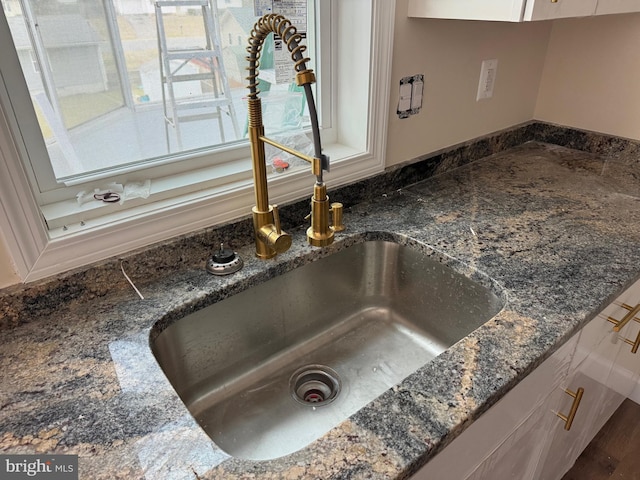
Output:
x,y
269,370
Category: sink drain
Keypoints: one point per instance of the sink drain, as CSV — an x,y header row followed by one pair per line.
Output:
x,y
314,385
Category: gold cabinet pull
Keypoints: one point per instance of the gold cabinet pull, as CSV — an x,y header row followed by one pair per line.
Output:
x,y
634,344
577,398
619,324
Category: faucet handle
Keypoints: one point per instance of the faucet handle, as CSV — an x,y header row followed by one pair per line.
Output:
x,y
276,219
336,212
270,238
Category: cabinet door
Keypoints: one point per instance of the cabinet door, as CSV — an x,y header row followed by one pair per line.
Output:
x,y
564,447
498,10
548,10
604,354
606,7
594,360
597,368
625,376
493,431
518,10
518,455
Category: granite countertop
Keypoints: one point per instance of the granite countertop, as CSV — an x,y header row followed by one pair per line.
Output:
x,y
557,229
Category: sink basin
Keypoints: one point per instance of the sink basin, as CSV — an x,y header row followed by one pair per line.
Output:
x,y
269,370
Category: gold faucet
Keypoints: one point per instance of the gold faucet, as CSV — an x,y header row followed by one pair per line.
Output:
x,y
269,237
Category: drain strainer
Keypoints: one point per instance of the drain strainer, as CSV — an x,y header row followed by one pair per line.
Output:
x,y
314,385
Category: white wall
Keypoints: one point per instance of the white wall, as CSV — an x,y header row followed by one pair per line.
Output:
x,y
449,53
591,78
562,86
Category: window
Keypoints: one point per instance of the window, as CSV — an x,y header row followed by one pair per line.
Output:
x,y
34,63
188,186
127,86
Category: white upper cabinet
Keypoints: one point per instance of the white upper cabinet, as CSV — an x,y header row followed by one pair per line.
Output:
x,y
503,10
518,10
606,7
547,9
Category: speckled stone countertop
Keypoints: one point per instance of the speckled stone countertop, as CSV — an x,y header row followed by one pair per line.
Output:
x,y
557,229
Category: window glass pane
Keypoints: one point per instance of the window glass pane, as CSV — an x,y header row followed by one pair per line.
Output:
x,y
121,82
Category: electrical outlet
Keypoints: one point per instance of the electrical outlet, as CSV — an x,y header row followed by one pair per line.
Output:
x,y
411,91
487,79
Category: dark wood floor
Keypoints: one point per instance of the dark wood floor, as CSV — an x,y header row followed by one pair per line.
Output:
x,y
615,452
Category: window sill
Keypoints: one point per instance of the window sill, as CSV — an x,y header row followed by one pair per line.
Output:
x,y
117,233
207,185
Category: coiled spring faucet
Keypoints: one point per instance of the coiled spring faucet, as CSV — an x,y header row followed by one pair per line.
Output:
x,y
269,237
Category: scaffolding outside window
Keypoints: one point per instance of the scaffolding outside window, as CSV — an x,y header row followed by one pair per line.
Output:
x,y
124,83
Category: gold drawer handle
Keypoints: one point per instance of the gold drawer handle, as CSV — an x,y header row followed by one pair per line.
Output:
x,y
634,344
577,398
619,325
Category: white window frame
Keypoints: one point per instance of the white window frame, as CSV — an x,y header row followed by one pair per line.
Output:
x,y
38,252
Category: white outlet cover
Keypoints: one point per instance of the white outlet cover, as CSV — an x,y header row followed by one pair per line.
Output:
x,y
488,73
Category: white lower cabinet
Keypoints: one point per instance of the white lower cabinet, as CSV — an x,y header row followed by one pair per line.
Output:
x,y
516,457
563,447
512,423
522,436
599,368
